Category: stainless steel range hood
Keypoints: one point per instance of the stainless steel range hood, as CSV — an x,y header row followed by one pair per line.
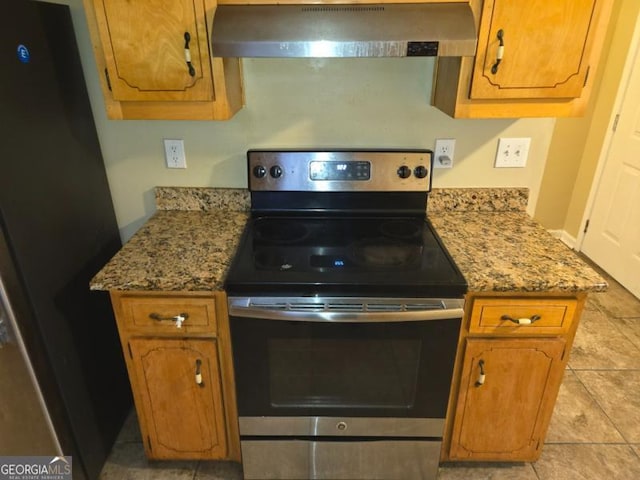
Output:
x,y
389,30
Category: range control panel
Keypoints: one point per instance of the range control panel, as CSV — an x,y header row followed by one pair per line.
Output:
x,y
340,170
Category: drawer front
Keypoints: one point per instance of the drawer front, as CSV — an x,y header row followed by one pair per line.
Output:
x,y
175,315
522,316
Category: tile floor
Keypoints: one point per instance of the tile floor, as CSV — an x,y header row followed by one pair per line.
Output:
x,y
594,433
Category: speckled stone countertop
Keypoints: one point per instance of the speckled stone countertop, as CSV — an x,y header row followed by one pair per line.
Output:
x,y
188,248
189,242
510,252
499,248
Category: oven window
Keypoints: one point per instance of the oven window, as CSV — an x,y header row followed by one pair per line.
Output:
x,y
337,373
292,368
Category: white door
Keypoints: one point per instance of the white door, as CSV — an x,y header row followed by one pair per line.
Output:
x,y
613,238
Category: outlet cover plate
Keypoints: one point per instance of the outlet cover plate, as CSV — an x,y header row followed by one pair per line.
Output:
x,y
512,152
174,153
443,153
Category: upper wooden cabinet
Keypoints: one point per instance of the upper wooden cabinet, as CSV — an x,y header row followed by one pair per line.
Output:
x,y
146,49
543,44
547,51
154,61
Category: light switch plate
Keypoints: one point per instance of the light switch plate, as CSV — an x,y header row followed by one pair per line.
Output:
x,y
512,152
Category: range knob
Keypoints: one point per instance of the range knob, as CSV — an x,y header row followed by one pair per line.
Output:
x,y
275,171
420,171
404,172
259,171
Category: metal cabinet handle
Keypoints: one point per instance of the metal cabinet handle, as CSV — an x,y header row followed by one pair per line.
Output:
x,y
500,53
522,321
178,319
187,54
199,381
481,377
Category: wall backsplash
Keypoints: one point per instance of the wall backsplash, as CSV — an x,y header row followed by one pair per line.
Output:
x,y
305,103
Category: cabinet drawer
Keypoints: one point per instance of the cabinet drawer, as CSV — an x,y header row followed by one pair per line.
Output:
x,y
522,316
175,315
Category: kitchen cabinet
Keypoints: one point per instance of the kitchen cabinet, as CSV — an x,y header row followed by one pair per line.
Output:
x,y
180,397
154,62
533,59
511,359
503,417
177,351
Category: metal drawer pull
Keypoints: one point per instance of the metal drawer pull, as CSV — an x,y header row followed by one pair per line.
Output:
x,y
199,373
521,321
187,54
178,319
500,54
482,376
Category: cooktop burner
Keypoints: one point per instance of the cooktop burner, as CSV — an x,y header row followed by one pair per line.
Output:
x,y
280,231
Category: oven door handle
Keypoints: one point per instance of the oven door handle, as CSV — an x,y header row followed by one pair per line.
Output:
x,y
344,317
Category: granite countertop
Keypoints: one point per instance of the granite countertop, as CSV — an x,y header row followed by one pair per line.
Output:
x,y
189,242
187,250
510,252
500,248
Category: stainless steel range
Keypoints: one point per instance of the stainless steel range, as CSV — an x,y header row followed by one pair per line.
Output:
x,y
345,313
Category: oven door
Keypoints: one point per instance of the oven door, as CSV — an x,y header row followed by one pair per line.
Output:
x,y
343,358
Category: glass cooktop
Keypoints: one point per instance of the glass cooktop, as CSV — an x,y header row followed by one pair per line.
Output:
x,y
389,256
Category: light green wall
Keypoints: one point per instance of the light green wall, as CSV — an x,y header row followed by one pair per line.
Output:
x,y
305,103
577,142
602,113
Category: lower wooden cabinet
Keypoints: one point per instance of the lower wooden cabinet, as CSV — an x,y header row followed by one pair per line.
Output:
x,y
179,385
507,392
177,348
512,353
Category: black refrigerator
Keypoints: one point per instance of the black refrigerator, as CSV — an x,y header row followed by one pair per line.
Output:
x,y
63,383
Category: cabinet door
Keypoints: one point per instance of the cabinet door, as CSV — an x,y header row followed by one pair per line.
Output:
x,y
506,417
145,49
177,388
546,49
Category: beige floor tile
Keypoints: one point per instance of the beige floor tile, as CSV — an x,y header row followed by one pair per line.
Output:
x,y
617,301
636,448
587,462
618,394
128,462
577,418
219,471
599,344
630,328
487,471
591,303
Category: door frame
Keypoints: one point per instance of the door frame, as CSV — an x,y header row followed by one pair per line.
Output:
x,y
633,52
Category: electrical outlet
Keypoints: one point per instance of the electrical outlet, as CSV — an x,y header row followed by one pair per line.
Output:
x,y
443,153
174,153
512,152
